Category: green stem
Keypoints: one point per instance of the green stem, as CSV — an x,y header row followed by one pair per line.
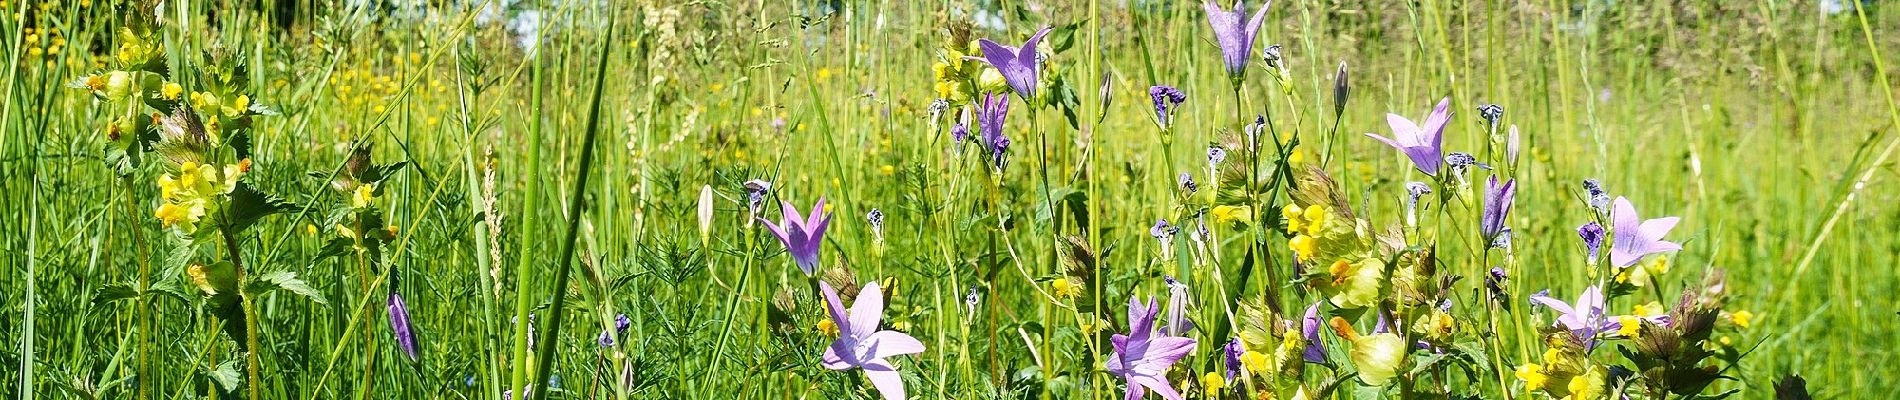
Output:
x,y
546,353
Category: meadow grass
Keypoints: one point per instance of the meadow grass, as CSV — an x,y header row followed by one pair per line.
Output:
x,y
578,163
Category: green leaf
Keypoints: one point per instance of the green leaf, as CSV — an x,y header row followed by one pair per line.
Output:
x,y
249,205
112,293
287,281
226,374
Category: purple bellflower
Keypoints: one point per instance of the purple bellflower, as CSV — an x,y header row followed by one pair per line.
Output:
x,y
1177,323
989,119
1018,65
1583,318
1420,143
861,345
1497,209
1233,350
802,235
1636,237
1235,35
1309,327
399,322
1142,357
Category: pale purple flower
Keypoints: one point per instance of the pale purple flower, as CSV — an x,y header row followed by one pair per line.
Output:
x,y
803,236
755,191
1599,199
1458,161
861,345
1167,99
1215,155
990,119
1491,113
1143,358
1413,191
1592,235
1019,65
1635,237
399,322
1234,35
1497,208
1309,328
1494,282
1584,318
1422,144
1187,183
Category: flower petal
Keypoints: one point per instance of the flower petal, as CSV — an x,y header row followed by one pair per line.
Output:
x,y
891,343
836,309
1156,383
833,360
1404,132
868,310
884,377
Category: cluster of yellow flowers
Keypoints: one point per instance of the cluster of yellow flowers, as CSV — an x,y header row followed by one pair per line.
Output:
x,y
1305,224
43,42
191,192
1563,374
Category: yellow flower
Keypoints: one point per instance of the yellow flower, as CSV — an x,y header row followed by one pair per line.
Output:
x,y
1725,341
1296,156
1214,383
1631,326
827,327
824,73
199,279
1303,245
1588,385
1532,375
887,169
171,91
1230,214
1741,318
183,215
364,195
1063,288
1254,361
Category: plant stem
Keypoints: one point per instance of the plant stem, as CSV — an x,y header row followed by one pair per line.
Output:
x,y
578,195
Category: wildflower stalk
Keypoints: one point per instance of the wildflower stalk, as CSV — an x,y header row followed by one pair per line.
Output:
x,y
252,348
143,313
579,193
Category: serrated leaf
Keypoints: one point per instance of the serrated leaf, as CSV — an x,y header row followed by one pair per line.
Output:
x,y
112,293
249,205
287,281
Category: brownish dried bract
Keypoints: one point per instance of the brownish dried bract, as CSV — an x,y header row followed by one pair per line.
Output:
x,y
1311,186
182,137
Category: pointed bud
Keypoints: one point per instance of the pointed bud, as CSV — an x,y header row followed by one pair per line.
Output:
x,y
705,213
1341,89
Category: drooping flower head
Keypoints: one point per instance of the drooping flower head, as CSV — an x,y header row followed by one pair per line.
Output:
x,y
1142,358
1167,99
1636,237
1187,183
1497,209
1018,65
755,191
989,119
399,322
1309,328
1491,113
802,235
1423,144
1235,32
861,345
1592,235
957,133
1413,191
1599,199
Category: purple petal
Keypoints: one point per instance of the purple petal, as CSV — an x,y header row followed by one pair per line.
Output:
x,y
834,358
892,343
885,379
1555,305
816,210
1156,383
836,308
1404,131
867,310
